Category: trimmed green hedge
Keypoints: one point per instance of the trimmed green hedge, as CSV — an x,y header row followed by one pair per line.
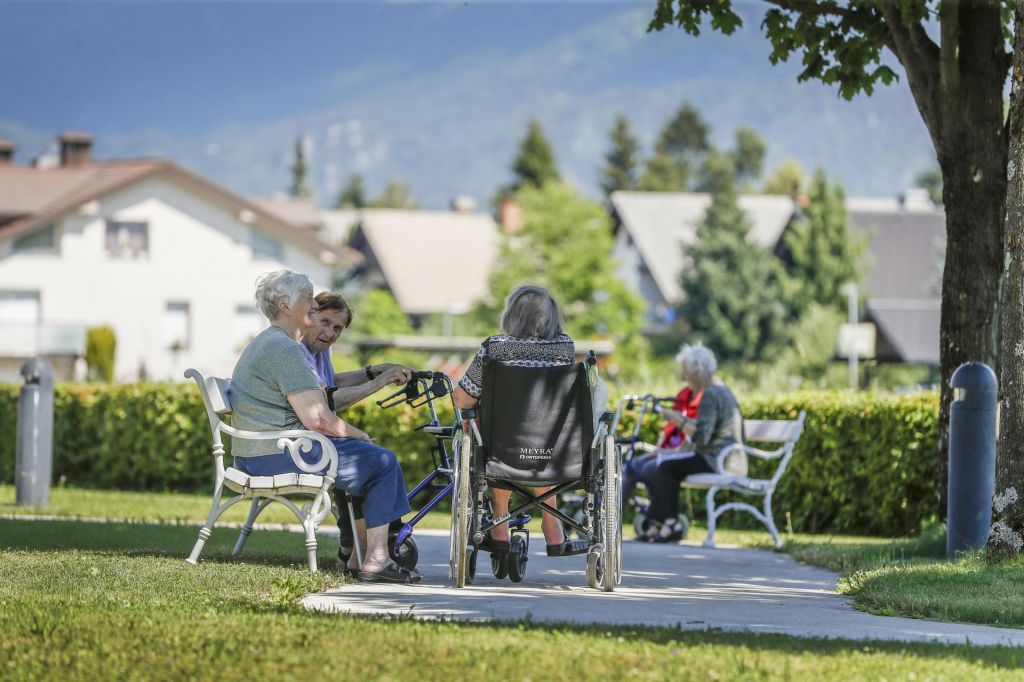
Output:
x,y
865,464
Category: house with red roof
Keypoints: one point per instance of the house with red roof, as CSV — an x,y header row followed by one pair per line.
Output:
x,y
164,257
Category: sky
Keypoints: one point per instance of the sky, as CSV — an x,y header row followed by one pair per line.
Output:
x,y
436,93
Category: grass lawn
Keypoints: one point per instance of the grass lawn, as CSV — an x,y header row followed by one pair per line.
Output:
x,y
910,577
115,601
906,577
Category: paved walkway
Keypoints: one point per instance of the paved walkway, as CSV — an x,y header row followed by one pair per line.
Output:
x,y
663,585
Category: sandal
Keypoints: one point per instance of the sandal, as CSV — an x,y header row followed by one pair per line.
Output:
x,y
568,548
343,564
391,573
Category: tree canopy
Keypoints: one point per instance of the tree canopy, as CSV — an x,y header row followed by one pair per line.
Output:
x,y
565,245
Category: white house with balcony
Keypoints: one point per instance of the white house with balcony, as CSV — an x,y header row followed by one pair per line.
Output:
x,y
164,257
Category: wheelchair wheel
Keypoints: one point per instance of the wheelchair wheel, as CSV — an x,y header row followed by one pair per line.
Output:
x,y
594,568
461,514
471,565
611,522
516,559
406,555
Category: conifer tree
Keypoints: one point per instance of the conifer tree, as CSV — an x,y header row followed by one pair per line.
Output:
x,y
534,164
352,195
395,195
300,186
678,152
620,167
823,254
733,288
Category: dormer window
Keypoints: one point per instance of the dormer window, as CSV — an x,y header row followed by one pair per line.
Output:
x,y
39,241
127,240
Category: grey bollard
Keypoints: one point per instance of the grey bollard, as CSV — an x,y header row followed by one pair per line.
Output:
x,y
33,461
972,457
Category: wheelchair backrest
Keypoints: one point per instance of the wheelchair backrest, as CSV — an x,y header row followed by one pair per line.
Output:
x,y
537,423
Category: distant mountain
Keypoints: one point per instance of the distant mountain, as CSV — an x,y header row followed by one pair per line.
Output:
x,y
451,126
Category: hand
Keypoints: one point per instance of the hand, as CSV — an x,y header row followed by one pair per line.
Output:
x,y
358,434
395,374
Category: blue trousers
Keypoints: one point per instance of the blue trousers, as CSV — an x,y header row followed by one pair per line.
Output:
x,y
364,469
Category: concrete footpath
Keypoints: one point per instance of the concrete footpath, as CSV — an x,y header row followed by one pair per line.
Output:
x,y
684,586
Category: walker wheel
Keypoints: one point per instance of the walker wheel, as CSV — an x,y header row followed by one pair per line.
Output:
x,y
471,565
406,555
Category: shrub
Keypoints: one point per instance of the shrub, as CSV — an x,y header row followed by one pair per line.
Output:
x,y
866,463
100,344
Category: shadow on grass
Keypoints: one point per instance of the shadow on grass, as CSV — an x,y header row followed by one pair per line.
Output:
x,y
264,547
282,549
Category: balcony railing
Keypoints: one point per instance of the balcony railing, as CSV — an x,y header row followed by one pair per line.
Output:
x,y
27,340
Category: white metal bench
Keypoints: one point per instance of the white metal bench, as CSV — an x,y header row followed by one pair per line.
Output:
x,y
263,490
787,433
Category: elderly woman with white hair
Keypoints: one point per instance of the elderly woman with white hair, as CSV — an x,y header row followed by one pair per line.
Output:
x,y
718,424
532,336
274,388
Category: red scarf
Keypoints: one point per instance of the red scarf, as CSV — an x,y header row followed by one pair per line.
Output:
x,y
687,403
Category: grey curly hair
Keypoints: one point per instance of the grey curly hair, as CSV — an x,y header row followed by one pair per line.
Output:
x,y
698,359
531,312
272,286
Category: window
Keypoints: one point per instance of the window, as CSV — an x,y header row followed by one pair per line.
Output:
x,y
127,240
245,326
40,241
177,326
19,307
265,247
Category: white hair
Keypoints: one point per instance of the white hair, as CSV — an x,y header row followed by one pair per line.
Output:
x,y
273,286
531,312
698,359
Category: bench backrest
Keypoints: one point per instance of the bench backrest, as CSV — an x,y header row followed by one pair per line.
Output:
x,y
782,431
775,431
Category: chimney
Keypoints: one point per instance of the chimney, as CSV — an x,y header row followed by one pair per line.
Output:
x,y
6,152
463,204
510,215
75,148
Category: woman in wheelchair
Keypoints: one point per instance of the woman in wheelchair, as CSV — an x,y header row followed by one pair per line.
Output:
x,y
718,423
274,388
345,389
531,326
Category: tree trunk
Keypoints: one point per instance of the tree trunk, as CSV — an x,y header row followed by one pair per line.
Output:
x,y
1007,535
971,146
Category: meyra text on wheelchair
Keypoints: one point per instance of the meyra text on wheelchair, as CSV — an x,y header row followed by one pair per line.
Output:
x,y
535,426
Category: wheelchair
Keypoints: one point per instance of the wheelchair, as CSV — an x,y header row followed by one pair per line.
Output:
x,y
536,428
635,449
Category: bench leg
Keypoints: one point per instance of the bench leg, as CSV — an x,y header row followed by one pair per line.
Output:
x,y
709,540
769,520
309,525
258,505
216,509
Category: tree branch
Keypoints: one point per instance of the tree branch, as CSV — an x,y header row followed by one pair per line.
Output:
x,y
919,56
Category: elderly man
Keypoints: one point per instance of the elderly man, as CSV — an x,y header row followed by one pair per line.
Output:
x,y
275,388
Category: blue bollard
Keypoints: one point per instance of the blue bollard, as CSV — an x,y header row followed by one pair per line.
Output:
x,y
972,457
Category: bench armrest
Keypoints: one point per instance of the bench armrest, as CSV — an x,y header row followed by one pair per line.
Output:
x,y
294,442
756,452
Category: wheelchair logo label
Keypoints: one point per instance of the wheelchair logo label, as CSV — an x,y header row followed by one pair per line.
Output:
x,y
536,453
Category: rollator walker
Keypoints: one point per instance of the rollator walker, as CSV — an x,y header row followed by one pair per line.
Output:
x,y
537,428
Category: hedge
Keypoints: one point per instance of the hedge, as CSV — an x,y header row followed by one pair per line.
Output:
x,y
867,463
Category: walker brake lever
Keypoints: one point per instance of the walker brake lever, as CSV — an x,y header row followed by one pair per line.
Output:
x,y
404,394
